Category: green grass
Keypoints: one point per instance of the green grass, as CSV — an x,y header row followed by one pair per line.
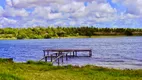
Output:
x,y
46,71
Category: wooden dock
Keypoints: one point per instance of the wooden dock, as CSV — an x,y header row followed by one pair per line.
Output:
x,y
58,55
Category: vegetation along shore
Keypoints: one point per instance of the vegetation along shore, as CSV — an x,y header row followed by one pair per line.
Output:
x,y
54,32
32,70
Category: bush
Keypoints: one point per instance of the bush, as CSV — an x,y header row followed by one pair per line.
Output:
x,y
68,66
47,36
6,60
39,62
128,33
21,36
30,62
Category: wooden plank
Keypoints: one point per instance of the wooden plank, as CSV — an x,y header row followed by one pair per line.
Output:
x,y
67,50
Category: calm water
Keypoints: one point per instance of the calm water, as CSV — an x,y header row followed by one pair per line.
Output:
x,y
119,52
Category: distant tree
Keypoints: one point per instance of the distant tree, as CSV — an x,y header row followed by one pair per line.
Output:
x,y
1,31
128,33
89,32
61,33
21,35
48,32
9,31
47,36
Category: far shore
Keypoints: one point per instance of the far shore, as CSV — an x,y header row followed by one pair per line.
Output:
x,y
101,36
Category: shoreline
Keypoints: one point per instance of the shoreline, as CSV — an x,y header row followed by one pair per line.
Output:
x,y
114,66
108,36
10,60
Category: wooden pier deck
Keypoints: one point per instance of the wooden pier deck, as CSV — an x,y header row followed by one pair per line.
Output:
x,y
57,55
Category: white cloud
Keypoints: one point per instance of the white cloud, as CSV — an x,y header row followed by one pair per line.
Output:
x,y
34,23
133,6
100,7
5,22
9,11
54,15
32,3
1,11
127,16
98,1
41,12
100,12
45,12
71,7
9,2
67,12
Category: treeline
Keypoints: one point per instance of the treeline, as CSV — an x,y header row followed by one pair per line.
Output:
x,y
49,32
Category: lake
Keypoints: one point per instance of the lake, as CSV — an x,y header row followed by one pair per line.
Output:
x,y
116,52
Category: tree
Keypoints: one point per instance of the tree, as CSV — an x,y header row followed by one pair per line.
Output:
x,y
21,35
61,34
128,33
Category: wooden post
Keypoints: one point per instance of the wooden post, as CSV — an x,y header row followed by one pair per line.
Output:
x,y
62,56
73,53
51,57
44,53
70,54
58,54
66,56
62,59
45,58
58,61
90,53
76,53
47,53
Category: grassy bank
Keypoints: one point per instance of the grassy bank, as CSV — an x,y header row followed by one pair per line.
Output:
x,y
46,71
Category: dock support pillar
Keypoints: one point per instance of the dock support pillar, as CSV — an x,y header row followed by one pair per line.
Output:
x,y
66,56
58,61
70,54
73,54
90,53
62,59
44,53
51,57
45,58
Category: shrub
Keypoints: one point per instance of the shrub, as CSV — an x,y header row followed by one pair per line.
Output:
x,y
6,60
30,62
128,33
39,62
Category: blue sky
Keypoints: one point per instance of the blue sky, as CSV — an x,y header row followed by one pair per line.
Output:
x,y
98,13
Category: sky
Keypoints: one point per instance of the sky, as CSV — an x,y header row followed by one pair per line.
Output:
x,y
71,13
